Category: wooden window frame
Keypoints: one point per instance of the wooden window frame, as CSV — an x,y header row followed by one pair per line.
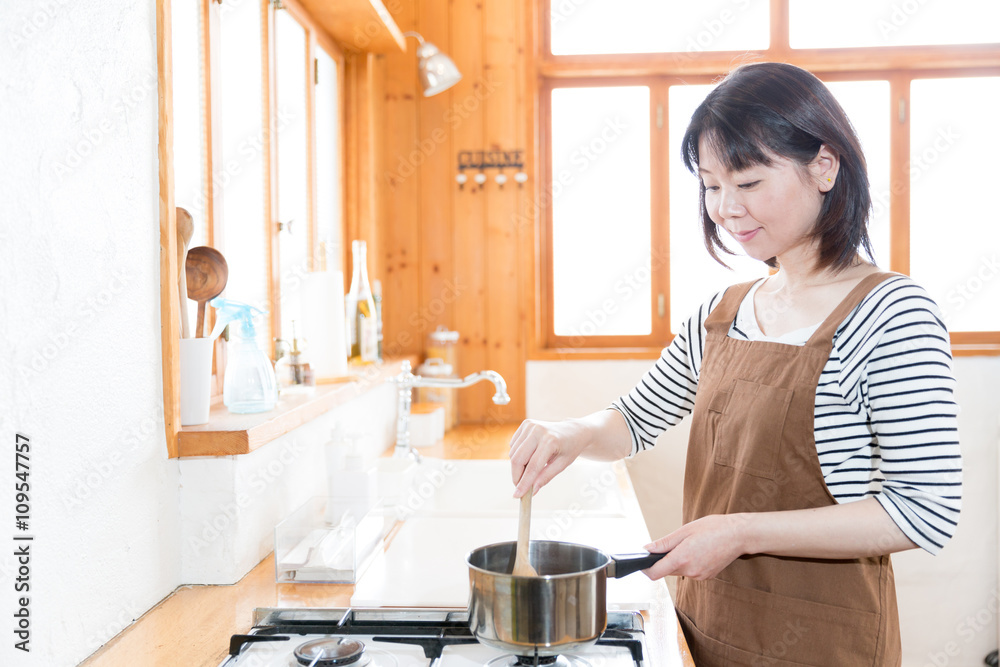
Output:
x,y
897,65
316,38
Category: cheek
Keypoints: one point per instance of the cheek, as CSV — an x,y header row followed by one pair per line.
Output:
x,y
712,207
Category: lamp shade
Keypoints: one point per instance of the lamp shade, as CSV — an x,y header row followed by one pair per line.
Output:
x,y
437,71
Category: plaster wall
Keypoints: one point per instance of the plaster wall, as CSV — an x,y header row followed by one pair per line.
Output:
x,y
79,324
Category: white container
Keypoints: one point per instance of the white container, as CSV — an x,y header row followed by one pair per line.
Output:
x,y
323,323
427,424
195,380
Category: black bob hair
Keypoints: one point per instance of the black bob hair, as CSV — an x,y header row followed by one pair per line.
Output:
x,y
765,109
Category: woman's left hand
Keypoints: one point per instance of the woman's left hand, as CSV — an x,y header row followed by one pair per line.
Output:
x,y
700,549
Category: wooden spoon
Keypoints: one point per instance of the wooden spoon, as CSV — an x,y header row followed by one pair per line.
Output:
x,y
522,563
185,230
207,273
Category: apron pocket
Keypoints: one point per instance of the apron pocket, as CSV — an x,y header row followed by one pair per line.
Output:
x,y
748,437
744,626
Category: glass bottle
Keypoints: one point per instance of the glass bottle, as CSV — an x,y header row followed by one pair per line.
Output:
x,y
361,319
377,295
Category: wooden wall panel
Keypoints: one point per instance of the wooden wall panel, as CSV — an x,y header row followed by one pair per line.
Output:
x,y
452,256
506,350
400,189
430,152
465,121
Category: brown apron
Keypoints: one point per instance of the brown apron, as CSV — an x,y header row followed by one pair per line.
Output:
x,y
753,449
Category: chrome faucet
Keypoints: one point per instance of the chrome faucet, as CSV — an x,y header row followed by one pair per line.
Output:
x,y
406,381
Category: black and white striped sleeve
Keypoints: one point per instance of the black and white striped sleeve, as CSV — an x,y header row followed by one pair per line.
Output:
x,y
908,385
665,395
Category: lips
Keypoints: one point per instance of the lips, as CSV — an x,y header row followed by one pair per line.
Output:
x,y
743,237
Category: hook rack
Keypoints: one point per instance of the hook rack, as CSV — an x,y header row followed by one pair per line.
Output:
x,y
480,161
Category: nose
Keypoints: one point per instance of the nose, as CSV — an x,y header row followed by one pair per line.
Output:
x,y
730,204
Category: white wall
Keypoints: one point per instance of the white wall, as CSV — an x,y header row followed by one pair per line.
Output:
x,y
79,314
948,603
230,505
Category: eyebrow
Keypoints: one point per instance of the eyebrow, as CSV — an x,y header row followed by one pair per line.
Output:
x,y
702,170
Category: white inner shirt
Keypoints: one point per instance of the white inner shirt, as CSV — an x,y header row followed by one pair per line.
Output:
x,y
746,322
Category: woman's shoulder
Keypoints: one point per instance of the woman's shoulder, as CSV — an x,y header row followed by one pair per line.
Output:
x,y
899,295
893,308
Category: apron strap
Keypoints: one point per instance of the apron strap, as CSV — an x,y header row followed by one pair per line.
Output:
x,y
722,317
823,336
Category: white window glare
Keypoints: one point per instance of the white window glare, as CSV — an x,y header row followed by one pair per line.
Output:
x,y
600,200
871,23
655,26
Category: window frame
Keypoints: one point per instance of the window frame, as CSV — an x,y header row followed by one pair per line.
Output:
x,y
897,65
316,38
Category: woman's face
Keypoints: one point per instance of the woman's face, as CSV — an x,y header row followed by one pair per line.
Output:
x,y
769,210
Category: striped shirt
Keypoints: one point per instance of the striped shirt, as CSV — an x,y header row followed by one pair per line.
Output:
x,y
885,417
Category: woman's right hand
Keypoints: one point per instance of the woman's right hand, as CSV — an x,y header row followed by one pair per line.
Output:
x,y
541,450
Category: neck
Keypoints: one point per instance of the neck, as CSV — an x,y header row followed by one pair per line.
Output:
x,y
801,273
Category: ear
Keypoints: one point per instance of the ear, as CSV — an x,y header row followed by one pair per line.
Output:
x,y
824,168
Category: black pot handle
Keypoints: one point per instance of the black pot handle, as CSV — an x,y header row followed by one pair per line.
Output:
x,y
625,564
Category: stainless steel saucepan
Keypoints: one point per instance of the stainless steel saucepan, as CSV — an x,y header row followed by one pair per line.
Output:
x,y
562,609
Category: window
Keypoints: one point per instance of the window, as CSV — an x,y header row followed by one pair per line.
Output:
x,y
622,263
257,121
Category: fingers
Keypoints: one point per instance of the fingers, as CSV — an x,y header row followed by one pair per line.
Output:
x,y
520,451
534,457
697,550
531,470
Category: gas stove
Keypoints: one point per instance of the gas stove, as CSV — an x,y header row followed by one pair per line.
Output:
x,y
380,637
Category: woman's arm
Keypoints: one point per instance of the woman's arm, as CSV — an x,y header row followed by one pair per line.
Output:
x,y
663,396
541,450
703,548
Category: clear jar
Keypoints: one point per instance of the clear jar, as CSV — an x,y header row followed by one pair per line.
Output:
x,y
443,344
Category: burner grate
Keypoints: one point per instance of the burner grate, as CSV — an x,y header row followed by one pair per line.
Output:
x,y
431,630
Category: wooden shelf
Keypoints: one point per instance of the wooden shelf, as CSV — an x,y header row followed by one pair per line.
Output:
x,y
228,434
358,25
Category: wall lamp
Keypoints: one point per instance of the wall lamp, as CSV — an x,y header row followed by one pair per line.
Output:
x,y
437,72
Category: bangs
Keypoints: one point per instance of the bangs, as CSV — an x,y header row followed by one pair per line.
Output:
x,y
744,138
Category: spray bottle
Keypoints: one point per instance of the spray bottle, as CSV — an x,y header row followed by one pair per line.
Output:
x,y
249,384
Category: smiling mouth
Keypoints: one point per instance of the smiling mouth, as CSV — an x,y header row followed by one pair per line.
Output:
x,y
743,237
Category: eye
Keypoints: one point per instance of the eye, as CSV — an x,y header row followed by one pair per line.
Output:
x,y
749,186
710,188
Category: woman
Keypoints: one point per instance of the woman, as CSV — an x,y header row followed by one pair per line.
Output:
x,y
823,432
